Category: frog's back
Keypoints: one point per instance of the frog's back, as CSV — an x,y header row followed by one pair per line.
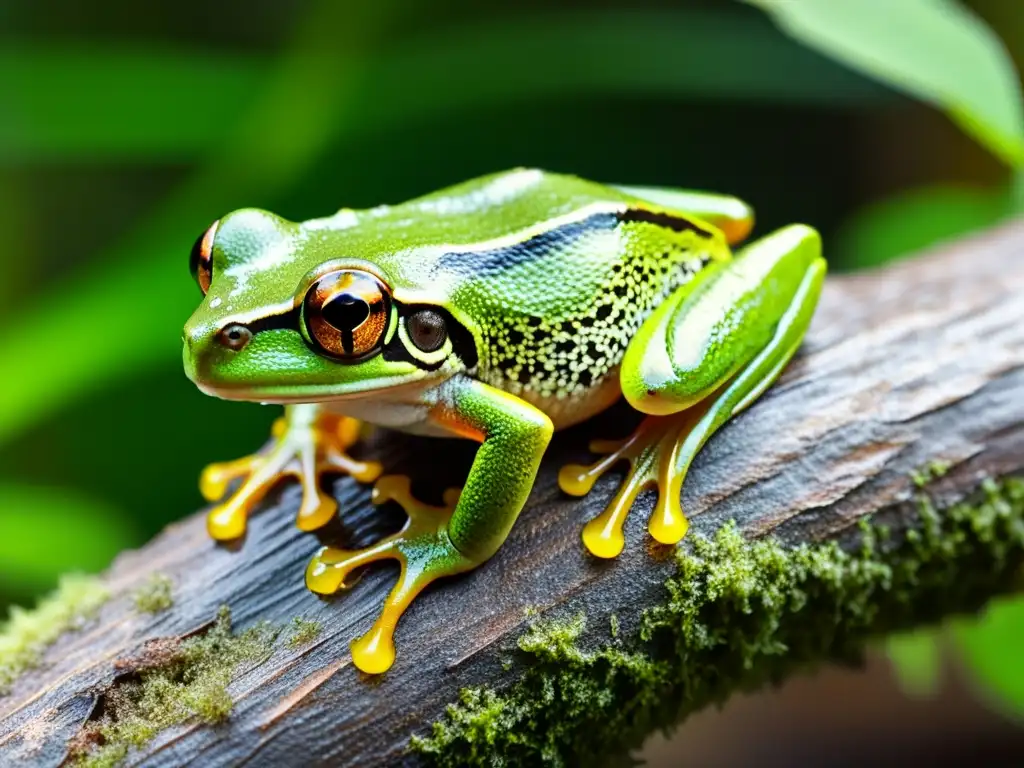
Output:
x,y
551,274
487,208
563,281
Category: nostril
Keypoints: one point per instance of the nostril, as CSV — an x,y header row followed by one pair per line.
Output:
x,y
234,336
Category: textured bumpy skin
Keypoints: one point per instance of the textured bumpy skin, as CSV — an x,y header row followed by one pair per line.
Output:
x,y
555,313
497,310
548,275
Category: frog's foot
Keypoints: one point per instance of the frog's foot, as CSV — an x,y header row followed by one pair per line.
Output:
x,y
422,549
652,452
305,446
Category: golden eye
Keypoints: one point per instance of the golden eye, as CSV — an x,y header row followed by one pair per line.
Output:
x,y
200,261
346,314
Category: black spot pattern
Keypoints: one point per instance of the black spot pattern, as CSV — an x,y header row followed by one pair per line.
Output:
x,y
565,358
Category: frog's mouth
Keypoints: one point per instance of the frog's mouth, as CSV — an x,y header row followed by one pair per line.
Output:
x,y
383,388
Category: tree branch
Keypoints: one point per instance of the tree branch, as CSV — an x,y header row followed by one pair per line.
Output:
x,y
914,366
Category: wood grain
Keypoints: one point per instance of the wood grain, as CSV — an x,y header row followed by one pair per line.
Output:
x,y
918,361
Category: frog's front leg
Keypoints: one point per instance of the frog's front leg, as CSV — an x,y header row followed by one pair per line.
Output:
x,y
308,442
703,356
443,541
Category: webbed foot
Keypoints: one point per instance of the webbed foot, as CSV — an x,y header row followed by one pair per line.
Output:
x,y
653,453
422,549
308,443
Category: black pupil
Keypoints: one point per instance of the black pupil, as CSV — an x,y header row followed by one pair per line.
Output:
x,y
346,312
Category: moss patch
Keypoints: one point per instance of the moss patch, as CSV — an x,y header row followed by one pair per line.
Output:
x,y
155,595
173,681
931,471
739,614
302,632
26,634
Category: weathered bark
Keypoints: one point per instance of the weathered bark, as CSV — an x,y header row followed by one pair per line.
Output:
x,y
919,361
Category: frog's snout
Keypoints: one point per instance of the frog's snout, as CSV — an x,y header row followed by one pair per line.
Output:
x,y
198,340
204,348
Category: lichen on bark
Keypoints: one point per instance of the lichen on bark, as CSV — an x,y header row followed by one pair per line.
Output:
x,y
27,633
170,683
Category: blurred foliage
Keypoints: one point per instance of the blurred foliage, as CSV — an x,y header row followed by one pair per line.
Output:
x,y
80,534
127,128
991,647
934,50
917,658
905,222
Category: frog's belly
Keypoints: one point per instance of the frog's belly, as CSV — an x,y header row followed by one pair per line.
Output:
x,y
411,413
404,415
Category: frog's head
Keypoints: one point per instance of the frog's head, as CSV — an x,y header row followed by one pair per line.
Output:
x,y
286,317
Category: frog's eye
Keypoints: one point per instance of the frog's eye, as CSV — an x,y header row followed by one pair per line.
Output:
x,y
346,314
200,261
427,330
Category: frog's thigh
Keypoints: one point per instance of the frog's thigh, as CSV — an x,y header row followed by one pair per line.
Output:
x,y
753,308
730,214
738,328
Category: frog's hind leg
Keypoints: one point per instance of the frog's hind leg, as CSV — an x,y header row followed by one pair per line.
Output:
x,y
706,354
308,442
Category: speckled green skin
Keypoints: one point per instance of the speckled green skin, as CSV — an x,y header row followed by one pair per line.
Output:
x,y
549,285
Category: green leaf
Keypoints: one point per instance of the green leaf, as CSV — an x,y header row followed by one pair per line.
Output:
x,y
992,650
86,103
915,219
917,659
45,532
934,50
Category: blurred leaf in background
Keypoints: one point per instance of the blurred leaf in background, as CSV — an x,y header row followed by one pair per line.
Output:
x,y
909,221
992,648
917,658
935,50
51,530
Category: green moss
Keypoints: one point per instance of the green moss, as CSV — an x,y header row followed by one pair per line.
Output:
x,y
739,614
931,471
26,634
302,632
613,620
174,683
155,595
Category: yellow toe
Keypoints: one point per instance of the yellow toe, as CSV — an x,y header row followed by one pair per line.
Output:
x,y
226,522
603,538
374,652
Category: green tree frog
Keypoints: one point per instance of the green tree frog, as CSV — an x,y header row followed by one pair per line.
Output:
x,y
497,310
